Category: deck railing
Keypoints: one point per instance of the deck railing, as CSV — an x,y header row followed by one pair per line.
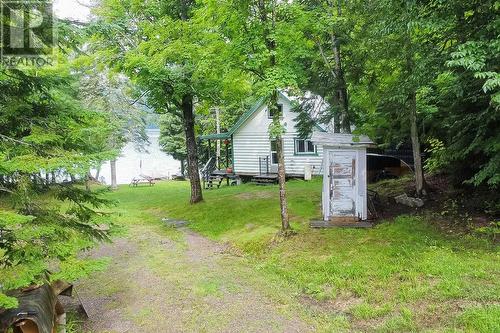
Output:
x,y
263,165
209,167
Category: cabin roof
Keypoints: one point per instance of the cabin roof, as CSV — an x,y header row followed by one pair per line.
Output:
x,y
243,119
220,136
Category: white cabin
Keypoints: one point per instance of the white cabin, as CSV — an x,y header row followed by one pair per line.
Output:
x,y
253,152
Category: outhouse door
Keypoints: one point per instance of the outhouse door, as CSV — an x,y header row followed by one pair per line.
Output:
x,y
343,191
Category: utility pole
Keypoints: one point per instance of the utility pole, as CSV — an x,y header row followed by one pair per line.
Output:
x,y
217,125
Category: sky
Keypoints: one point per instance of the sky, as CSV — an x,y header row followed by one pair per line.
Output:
x,y
71,9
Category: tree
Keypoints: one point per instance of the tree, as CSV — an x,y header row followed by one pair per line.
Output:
x,y
468,95
437,62
264,40
329,31
46,129
172,138
113,97
396,73
168,54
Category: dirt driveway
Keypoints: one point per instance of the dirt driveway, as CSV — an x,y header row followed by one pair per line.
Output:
x,y
162,280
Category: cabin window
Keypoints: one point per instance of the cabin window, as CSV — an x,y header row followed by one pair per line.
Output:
x,y
274,152
280,111
304,147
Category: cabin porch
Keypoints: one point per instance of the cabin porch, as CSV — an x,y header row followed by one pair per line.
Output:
x,y
218,167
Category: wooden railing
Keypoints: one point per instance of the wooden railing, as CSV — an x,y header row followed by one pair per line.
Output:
x,y
264,165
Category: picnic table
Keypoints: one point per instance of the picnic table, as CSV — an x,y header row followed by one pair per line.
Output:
x,y
142,179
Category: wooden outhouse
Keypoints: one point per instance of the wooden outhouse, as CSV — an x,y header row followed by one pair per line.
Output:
x,y
344,197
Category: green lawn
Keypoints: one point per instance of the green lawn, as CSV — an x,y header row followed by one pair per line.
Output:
x,y
403,275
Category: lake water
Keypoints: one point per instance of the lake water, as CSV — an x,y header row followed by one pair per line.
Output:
x,y
131,163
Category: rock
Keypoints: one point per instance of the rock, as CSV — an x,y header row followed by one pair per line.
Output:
x,y
404,199
175,223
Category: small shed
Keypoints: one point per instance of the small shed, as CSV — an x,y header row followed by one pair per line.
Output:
x,y
344,197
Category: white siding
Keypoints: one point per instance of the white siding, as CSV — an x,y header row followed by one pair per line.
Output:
x,y
251,141
247,150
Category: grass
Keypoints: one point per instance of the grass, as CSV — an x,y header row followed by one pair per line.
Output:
x,y
483,319
404,275
389,278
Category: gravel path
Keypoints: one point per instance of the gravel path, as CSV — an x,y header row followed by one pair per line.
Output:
x,y
189,284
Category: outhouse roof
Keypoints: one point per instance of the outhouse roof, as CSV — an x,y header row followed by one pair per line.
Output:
x,y
341,139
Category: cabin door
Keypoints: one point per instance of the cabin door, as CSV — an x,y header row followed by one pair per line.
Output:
x,y
343,191
273,158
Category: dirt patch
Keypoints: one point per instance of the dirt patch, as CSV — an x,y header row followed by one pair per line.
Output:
x,y
428,315
154,284
339,305
256,195
453,210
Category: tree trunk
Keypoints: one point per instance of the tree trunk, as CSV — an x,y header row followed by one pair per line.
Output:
x,y
98,173
192,152
114,184
336,116
342,95
183,167
285,222
271,46
420,186
415,142
87,181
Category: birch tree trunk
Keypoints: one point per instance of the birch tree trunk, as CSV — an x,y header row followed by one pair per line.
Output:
x,y
192,152
98,172
114,184
285,222
273,106
420,186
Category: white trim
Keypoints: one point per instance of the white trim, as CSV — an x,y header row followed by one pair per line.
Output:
x,y
269,111
296,146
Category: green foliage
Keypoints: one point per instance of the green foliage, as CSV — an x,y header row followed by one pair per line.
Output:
x,y
43,238
172,138
437,160
475,137
264,41
47,132
169,55
491,231
112,97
